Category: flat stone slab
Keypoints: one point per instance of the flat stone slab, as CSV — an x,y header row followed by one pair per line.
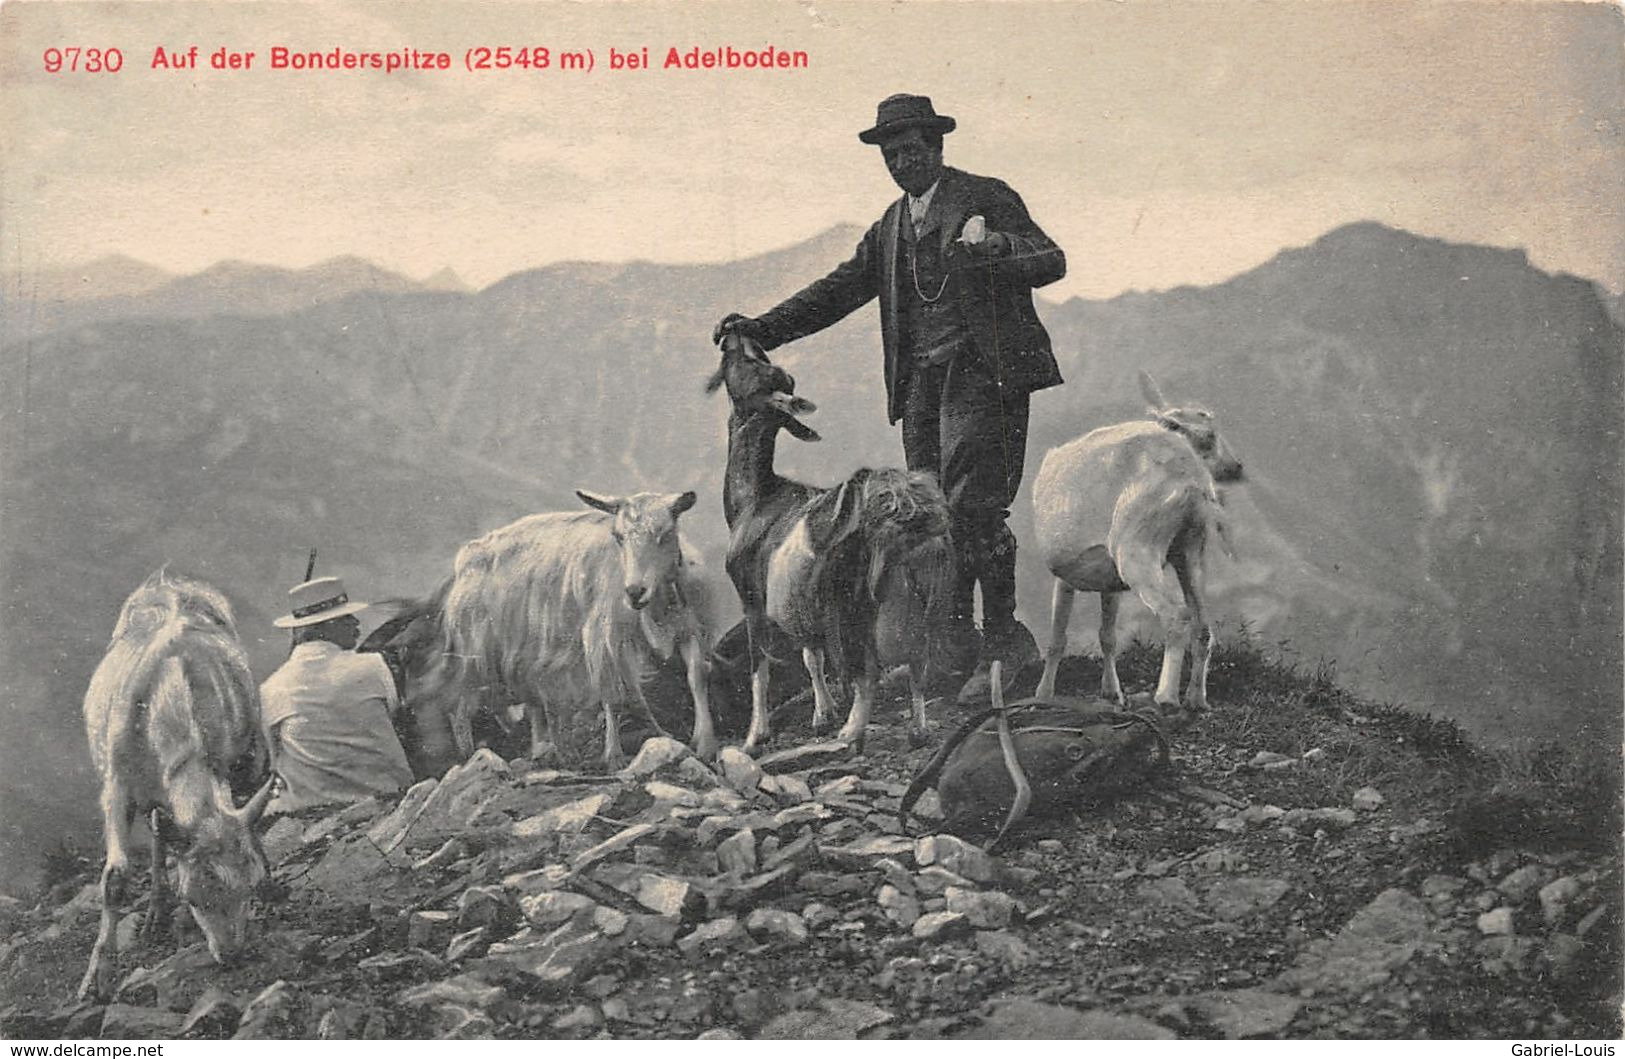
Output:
x,y
1029,1020
958,856
1243,1013
623,839
1170,893
1242,896
807,756
1381,937
569,818
464,990
554,964
834,1019
122,1021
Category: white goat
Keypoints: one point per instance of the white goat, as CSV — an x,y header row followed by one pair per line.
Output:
x,y
1130,507
564,612
170,712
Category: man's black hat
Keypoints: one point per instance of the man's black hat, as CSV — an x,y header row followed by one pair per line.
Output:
x,y
903,111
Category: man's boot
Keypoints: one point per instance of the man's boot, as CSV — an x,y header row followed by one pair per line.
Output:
x,y
1004,639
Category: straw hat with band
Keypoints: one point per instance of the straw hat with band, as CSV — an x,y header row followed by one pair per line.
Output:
x,y
314,602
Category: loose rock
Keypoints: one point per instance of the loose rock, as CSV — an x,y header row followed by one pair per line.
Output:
x,y
654,756
984,910
899,907
958,856
1368,799
271,1015
739,769
940,925
1030,1020
1556,897
1241,1013
1526,880
787,790
737,854
139,1023
778,926
1237,898
1497,921
1005,948
714,936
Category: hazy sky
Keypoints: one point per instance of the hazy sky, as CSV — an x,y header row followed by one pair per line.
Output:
x,y
1158,143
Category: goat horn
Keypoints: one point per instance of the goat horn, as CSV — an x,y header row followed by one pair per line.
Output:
x,y
254,808
1007,743
1151,391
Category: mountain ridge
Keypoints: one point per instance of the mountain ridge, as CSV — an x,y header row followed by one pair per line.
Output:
x,y
1395,419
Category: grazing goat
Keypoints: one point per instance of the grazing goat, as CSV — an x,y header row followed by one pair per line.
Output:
x,y
1130,507
564,612
859,572
171,712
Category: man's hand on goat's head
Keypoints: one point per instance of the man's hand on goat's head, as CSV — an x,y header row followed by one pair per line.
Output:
x,y
736,324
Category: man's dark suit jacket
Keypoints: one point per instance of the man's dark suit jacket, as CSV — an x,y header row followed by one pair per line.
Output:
x,y
994,295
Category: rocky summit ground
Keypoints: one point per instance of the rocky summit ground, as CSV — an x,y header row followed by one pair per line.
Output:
x,y
1312,866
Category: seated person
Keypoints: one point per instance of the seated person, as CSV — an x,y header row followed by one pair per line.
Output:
x,y
327,711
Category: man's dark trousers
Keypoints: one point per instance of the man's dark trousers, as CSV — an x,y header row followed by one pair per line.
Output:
x,y
961,427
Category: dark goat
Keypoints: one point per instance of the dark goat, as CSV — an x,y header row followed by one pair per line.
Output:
x,y
858,572
415,646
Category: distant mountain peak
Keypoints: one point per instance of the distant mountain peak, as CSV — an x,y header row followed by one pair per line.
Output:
x,y
446,280
1374,239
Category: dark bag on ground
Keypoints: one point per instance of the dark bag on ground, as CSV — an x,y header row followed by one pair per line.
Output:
x,y
1072,754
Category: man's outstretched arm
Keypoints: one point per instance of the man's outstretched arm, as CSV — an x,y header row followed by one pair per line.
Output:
x,y
823,302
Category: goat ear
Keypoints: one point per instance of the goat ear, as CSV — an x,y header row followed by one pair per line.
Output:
x,y
1151,391
683,502
607,504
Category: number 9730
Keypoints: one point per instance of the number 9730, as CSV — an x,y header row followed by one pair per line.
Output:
x,y
83,60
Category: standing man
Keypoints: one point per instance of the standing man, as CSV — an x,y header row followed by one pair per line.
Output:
x,y
327,711
953,263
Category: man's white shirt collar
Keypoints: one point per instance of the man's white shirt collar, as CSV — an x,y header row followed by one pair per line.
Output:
x,y
918,207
